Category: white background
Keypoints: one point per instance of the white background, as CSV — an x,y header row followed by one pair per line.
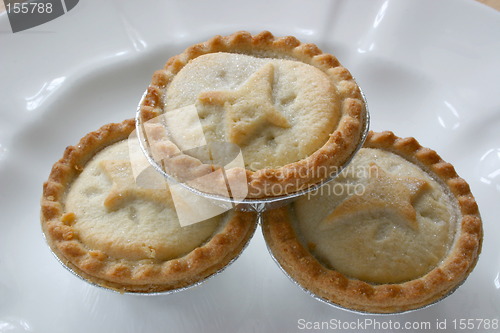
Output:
x,y
429,69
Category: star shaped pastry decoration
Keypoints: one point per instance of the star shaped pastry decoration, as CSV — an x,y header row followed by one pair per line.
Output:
x,y
248,108
383,192
124,187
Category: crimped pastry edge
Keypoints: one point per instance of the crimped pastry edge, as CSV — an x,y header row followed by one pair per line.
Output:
x,y
145,276
295,176
357,295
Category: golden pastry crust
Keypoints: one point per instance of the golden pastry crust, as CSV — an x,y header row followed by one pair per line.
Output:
x,y
292,177
357,295
144,276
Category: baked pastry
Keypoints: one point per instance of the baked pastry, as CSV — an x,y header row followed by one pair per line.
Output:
x,y
396,231
293,111
121,234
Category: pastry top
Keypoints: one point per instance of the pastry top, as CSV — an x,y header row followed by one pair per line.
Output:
x,y
383,220
125,220
277,111
398,230
112,221
295,113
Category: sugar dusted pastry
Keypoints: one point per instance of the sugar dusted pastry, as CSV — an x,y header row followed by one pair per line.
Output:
x,y
294,112
114,231
397,230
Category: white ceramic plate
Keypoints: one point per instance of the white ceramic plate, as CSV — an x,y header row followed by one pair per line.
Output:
x,y
429,69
